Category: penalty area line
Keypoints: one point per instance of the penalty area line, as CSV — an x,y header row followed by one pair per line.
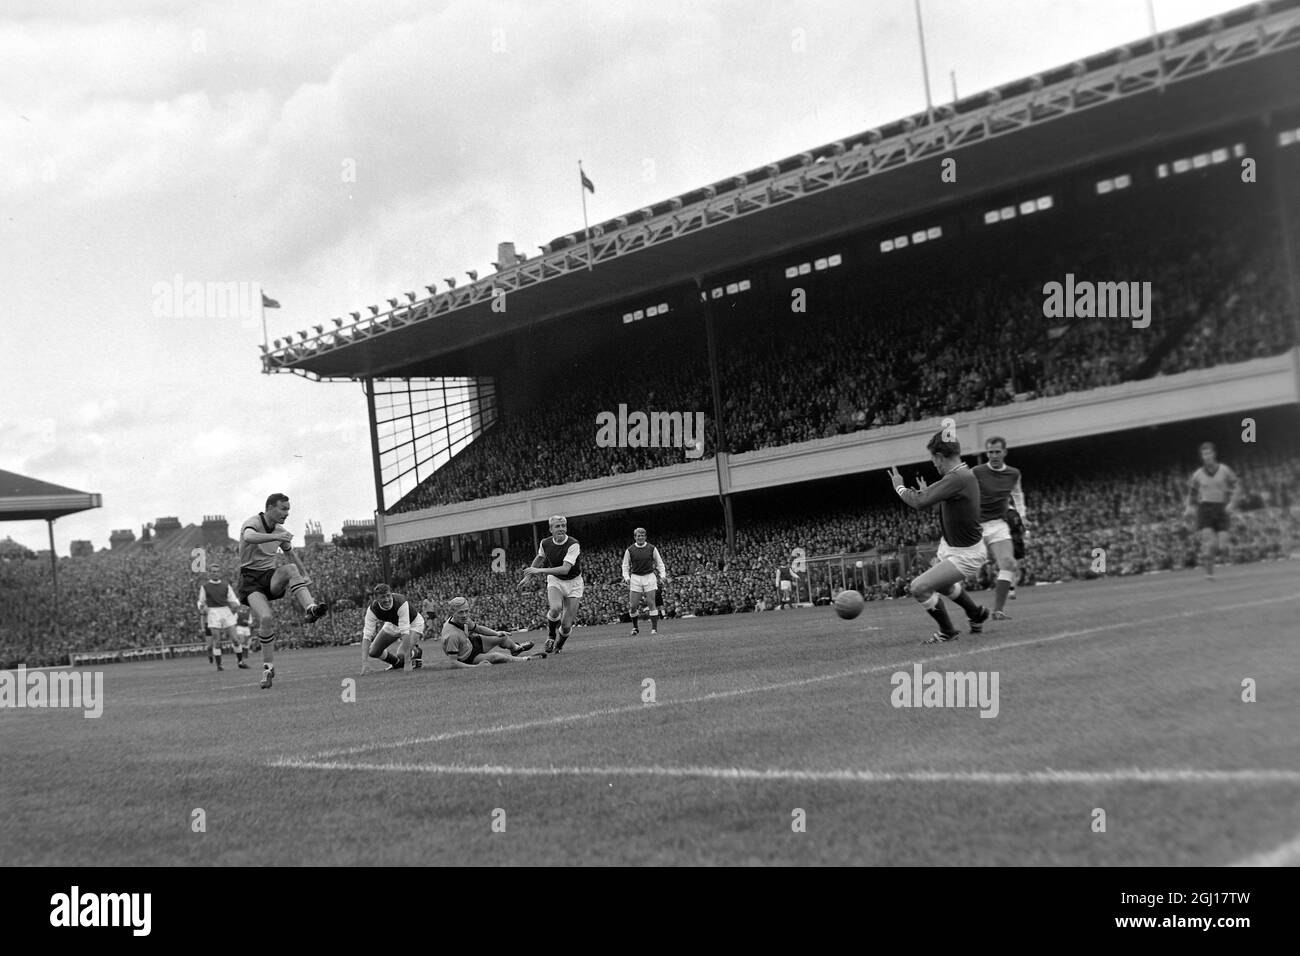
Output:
x,y
779,775
777,686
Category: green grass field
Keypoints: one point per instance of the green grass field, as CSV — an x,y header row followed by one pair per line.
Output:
x,y
1123,695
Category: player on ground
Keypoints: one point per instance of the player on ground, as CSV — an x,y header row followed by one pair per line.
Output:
x,y
217,601
243,634
1000,493
786,578
961,549
1218,488
559,558
470,644
388,618
643,569
261,539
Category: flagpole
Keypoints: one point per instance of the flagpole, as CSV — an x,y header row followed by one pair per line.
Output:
x,y
585,230
925,67
261,304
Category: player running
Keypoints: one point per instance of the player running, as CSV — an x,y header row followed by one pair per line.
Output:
x,y
217,601
388,618
961,549
1000,495
1218,488
470,644
261,539
559,558
643,570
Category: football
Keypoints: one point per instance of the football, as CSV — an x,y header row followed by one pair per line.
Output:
x,y
849,604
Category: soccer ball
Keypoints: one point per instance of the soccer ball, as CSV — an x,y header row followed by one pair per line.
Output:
x,y
849,604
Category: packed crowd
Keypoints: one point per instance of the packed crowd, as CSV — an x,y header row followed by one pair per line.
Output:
x,y
915,343
1133,513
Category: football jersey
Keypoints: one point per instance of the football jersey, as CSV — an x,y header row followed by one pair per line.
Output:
x,y
217,593
996,488
391,615
1214,487
261,556
554,555
958,496
641,560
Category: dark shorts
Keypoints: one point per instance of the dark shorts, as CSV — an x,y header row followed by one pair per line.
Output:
x,y
256,582
1213,515
476,643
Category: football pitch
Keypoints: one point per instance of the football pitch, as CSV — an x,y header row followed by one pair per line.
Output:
x,y
771,739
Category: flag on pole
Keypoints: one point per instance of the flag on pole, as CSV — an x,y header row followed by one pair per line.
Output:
x,y
585,188
586,183
268,302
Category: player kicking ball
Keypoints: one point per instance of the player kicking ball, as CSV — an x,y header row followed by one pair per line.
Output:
x,y
262,579
388,618
559,558
470,644
961,550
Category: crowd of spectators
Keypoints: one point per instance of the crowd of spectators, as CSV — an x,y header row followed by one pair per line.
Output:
x,y
1133,513
919,341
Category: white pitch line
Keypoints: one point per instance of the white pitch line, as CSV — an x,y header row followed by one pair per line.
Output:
x,y
1288,854
779,685
779,775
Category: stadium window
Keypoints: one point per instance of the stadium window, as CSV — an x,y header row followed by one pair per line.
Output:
x,y
1220,155
652,311
627,317
1288,137
1182,166
934,232
1239,149
640,314
1162,170
1200,160
1104,186
833,261
900,242
792,272
744,287
990,217
663,306
918,237
819,265
1026,207
1043,202
717,293
1008,212
887,245
1123,181
805,268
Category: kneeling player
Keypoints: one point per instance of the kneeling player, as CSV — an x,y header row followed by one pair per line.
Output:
x,y
961,550
469,643
388,618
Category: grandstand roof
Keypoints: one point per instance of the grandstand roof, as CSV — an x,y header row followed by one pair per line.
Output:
x,y
1237,67
30,499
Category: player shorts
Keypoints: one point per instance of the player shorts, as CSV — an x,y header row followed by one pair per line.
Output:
x,y
785,586
995,531
967,560
476,643
643,583
571,588
242,633
1213,515
392,630
256,582
221,618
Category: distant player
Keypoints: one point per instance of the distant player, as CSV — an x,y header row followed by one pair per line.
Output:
x,y
217,601
786,579
470,644
261,539
643,570
243,633
1217,487
1000,494
388,618
961,549
560,558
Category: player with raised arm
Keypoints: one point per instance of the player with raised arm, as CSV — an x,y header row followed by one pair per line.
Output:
x,y
388,618
1218,489
961,550
643,570
262,580
470,644
217,601
1000,495
559,558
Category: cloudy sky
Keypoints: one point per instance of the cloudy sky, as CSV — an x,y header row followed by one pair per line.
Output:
x,y
338,153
